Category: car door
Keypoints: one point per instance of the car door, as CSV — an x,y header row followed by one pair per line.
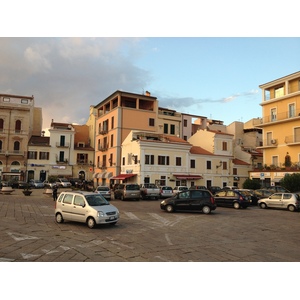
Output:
x,y
275,200
196,198
230,198
220,198
67,207
286,200
182,201
79,208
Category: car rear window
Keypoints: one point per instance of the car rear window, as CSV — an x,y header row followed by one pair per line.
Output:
x,y
132,187
167,188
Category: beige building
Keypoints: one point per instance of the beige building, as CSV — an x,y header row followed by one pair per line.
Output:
x,y
281,129
19,120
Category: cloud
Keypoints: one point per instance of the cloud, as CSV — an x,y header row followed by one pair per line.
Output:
x,y
186,102
67,75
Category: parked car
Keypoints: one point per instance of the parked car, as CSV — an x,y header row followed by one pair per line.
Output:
x,y
262,193
166,191
149,190
254,197
127,191
214,189
233,198
76,182
86,207
104,191
189,200
290,201
63,182
48,184
229,187
179,188
277,188
198,187
37,184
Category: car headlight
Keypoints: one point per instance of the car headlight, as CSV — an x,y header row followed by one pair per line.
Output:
x,y
101,214
163,202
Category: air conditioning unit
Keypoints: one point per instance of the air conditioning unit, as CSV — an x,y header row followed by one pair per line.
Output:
x,y
273,141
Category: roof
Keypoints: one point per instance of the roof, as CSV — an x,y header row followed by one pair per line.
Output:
x,y
123,176
240,162
199,150
39,141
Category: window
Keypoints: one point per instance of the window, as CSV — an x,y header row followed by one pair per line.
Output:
x,y
6,99
111,157
78,200
44,155
224,146
273,114
61,156
208,165
104,161
82,158
123,161
292,112
185,138
279,92
166,128
62,140
151,122
163,160
105,125
24,101
269,138
1,125
234,171
178,161
224,165
112,140
1,145
297,134
16,146
185,123
193,164
68,199
149,159
172,129
18,126
112,122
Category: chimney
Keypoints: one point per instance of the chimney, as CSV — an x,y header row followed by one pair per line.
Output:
x,y
148,93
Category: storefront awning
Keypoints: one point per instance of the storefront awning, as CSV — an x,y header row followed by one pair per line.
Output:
x,y
123,176
187,177
102,175
277,179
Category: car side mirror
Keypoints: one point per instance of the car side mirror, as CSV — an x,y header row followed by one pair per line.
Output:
x,y
82,205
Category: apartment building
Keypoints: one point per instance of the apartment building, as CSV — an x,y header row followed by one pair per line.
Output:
x,y
281,129
19,120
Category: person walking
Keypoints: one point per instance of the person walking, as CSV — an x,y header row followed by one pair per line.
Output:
x,y
54,193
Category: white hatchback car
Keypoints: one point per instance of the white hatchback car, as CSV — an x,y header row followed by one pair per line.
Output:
x,y
85,207
288,201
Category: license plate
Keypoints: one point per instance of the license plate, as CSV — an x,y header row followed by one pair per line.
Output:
x,y
112,218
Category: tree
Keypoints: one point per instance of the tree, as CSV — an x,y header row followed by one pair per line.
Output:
x,y
291,182
251,184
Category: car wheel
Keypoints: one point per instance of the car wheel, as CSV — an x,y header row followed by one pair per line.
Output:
x,y
206,210
236,205
291,208
263,205
91,222
169,208
59,218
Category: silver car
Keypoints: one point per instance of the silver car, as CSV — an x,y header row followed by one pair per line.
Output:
x,y
104,191
85,207
288,201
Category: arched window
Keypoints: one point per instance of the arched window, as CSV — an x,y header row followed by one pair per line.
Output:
x,y
18,126
15,163
16,146
1,145
1,125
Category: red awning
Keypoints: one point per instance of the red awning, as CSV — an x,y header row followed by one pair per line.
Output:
x,y
123,176
187,177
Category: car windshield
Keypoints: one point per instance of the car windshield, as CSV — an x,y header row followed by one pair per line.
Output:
x,y
96,200
103,189
132,187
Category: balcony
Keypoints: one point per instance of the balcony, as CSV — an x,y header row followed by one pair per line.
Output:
x,y
103,148
292,140
269,143
12,152
103,132
281,117
60,145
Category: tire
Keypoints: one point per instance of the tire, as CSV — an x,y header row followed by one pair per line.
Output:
x,y
169,208
291,208
263,205
236,205
113,223
59,218
206,210
91,222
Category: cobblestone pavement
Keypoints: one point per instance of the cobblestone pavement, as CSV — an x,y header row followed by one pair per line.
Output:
x,y
145,233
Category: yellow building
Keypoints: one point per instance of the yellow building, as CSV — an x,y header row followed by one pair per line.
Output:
x,y
281,128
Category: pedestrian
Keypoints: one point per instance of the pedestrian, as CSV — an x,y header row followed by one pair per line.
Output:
x,y
54,193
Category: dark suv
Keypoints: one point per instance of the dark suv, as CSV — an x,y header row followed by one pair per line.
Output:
x,y
199,200
127,191
233,198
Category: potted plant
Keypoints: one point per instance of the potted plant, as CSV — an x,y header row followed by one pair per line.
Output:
x,y
27,189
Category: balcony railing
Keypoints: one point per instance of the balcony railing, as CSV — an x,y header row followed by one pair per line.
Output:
x,y
103,132
281,116
65,145
103,148
292,139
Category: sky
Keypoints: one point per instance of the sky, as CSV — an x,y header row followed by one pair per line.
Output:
x,y
213,72
204,58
